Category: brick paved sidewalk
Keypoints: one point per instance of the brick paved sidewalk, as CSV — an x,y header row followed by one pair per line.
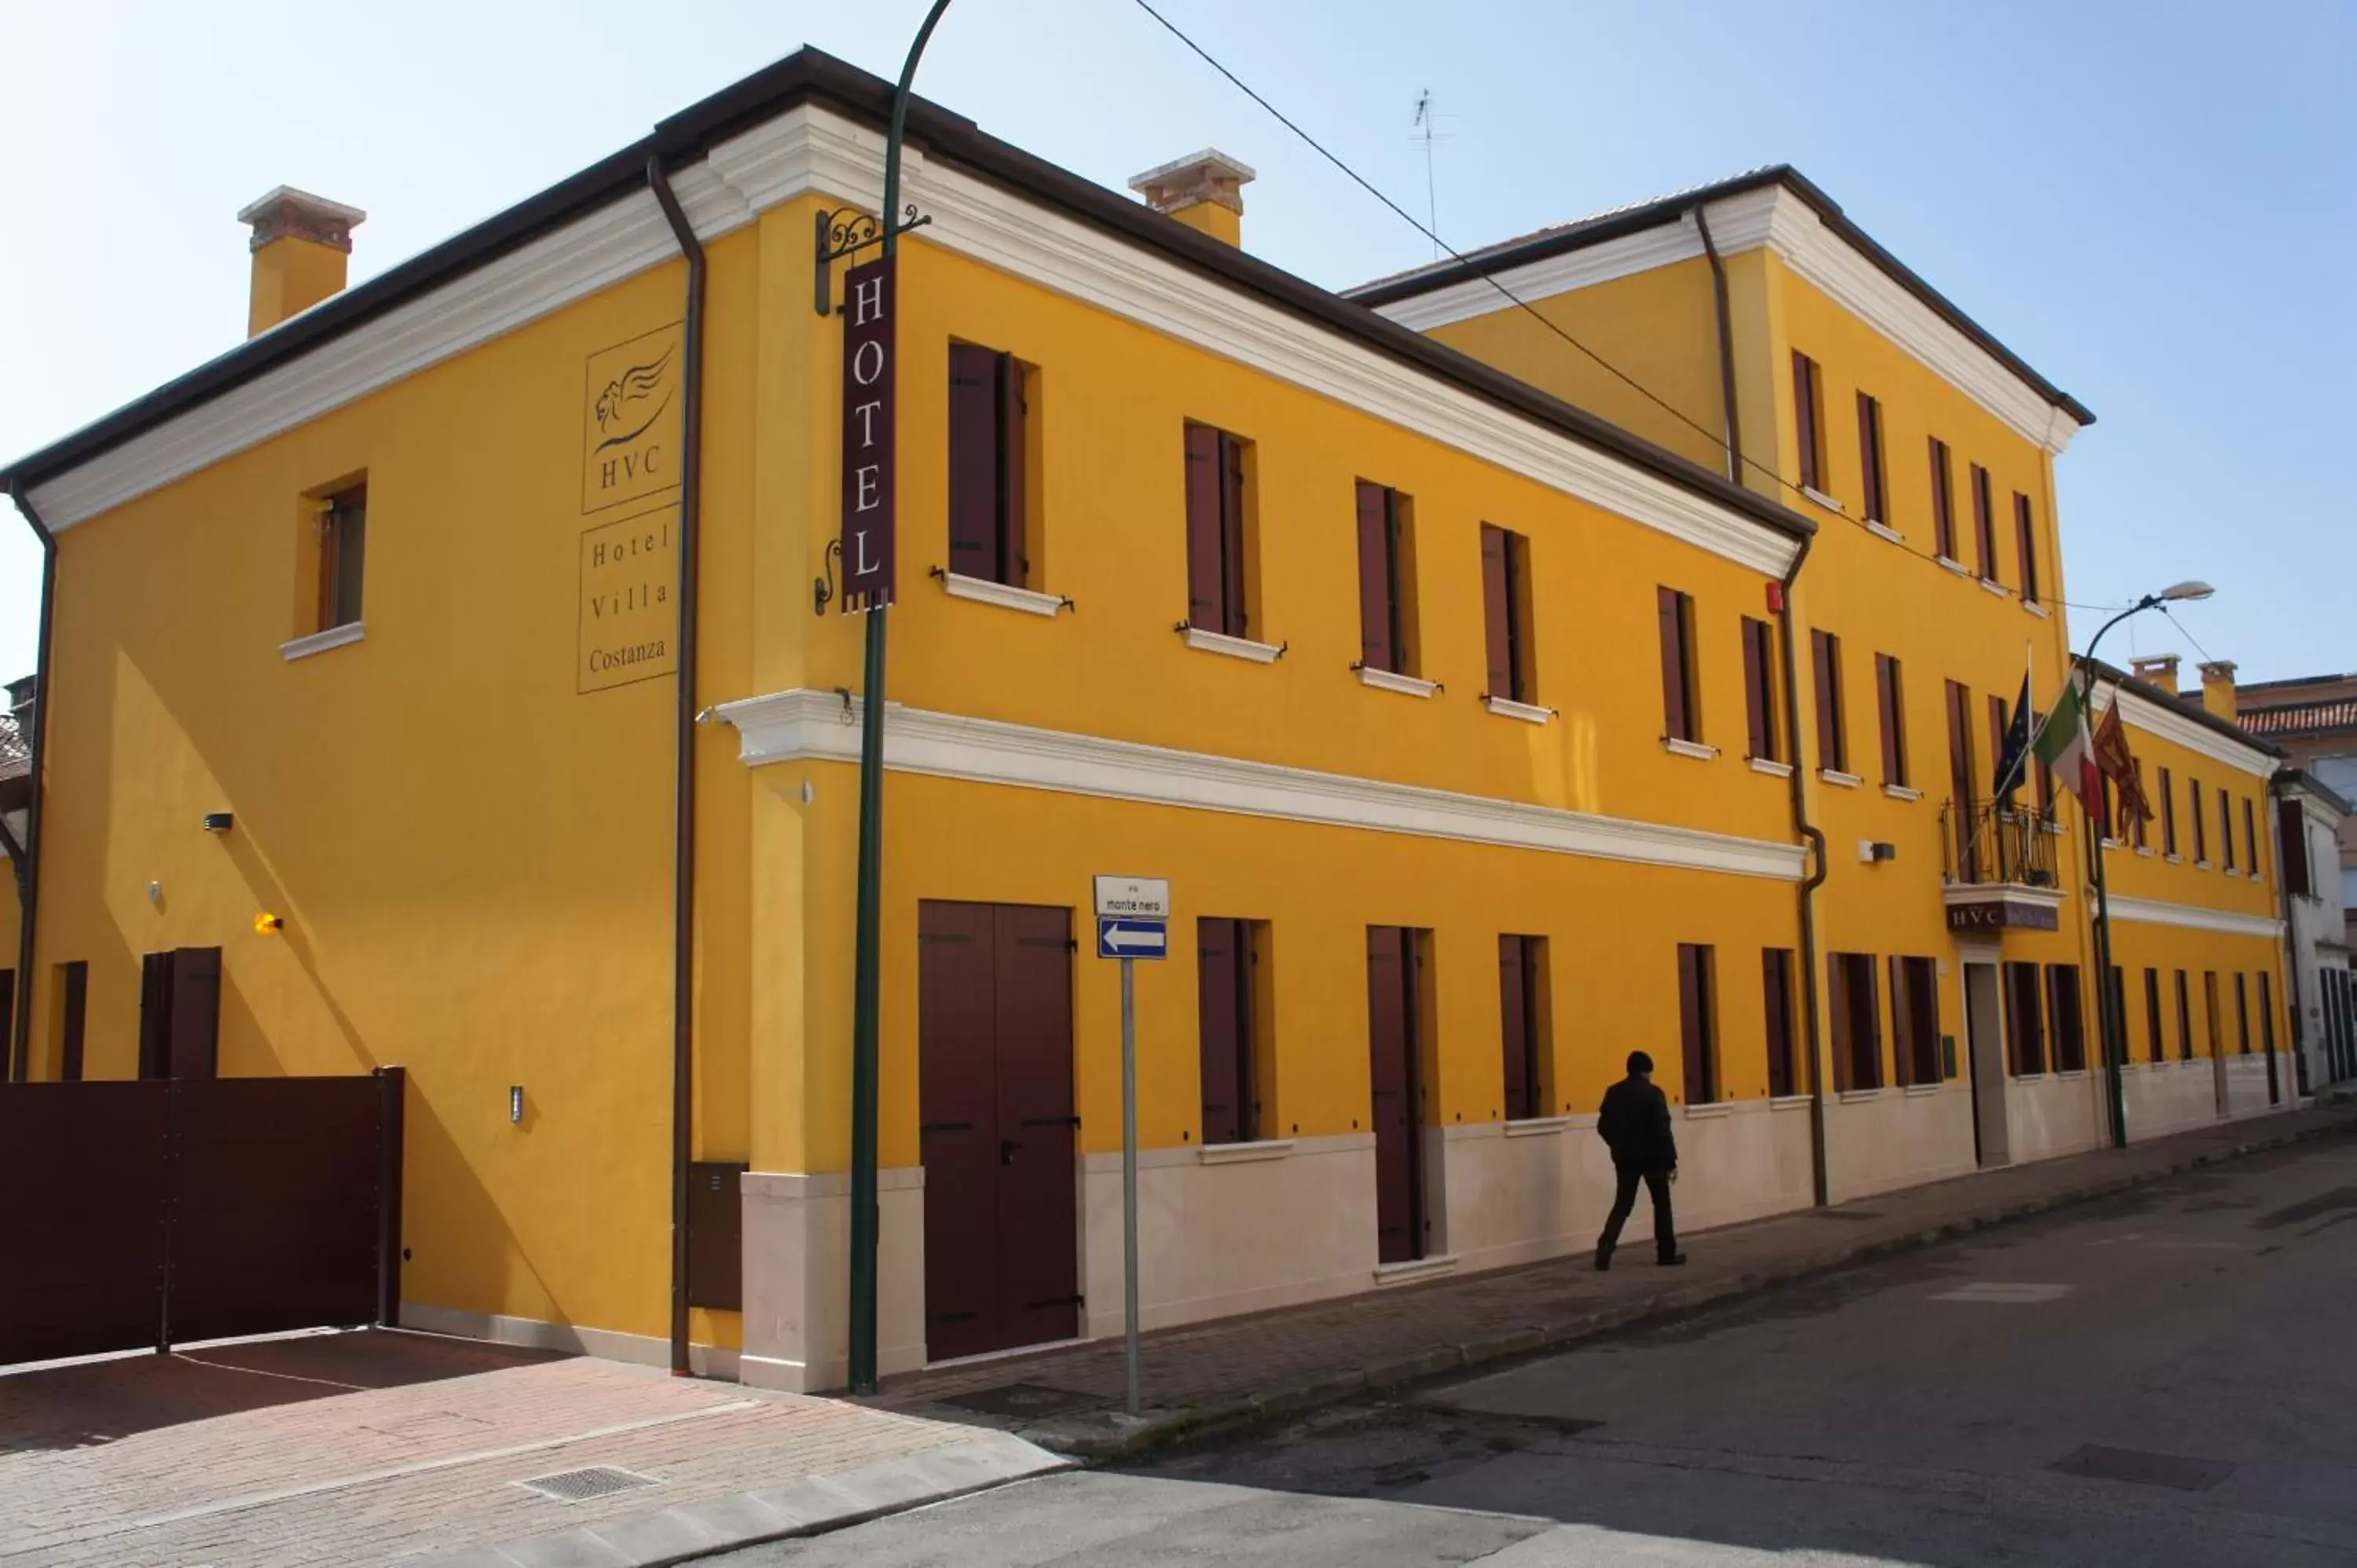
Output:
x,y
376,1447
1201,1378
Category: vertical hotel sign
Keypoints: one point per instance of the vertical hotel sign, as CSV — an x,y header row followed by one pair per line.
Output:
x,y
869,297
627,626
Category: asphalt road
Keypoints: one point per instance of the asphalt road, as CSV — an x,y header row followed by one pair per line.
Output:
x,y
2165,1378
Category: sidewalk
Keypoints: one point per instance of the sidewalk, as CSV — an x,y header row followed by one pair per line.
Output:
x,y
382,1446
1202,1377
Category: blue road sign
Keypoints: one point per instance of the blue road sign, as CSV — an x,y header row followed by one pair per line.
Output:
x,y
1125,935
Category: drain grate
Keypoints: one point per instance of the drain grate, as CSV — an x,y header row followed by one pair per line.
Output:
x,y
2142,1469
582,1486
1022,1399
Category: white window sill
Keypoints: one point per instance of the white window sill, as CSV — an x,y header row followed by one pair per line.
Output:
x,y
2174,859
1992,585
1244,1153
1692,749
2144,851
1859,1096
2201,865
1953,565
1834,776
1415,1269
1405,685
2071,1075
2053,828
1537,1126
1791,1103
1822,499
2110,842
1769,766
2034,607
1233,647
1903,792
1918,1091
2030,1078
1006,595
1884,531
321,641
1708,1109
1529,712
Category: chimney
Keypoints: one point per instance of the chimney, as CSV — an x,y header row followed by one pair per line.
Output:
x,y
300,243
2160,670
2218,689
1204,191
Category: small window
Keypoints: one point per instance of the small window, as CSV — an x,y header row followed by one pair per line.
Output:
x,y
1219,576
73,1017
2025,528
2243,1014
2139,825
2217,1037
1833,732
1855,995
1506,613
1943,503
1699,1021
1524,1027
1760,689
2266,1014
1808,421
1229,982
1386,580
2200,827
2291,849
990,493
1681,704
2066,1018
2167,813
2155,1046
2226,826
1869,457
2250,836
2184,1021
1776,987
1984,523
1915,1019
343,556
2025,1020
1891,694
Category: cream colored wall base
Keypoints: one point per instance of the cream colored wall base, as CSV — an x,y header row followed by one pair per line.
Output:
x,y
2061,1113
798,1277
1885,1139
2167,1097
2246,1085
606,1344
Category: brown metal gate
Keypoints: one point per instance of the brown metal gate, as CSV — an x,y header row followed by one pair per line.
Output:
x,y
146,1213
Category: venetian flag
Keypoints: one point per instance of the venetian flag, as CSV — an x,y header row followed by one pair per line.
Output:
x,y
2063,745
2112,755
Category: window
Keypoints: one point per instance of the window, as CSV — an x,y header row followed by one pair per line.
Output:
x,y
2266,1014
2167,814
73,1017
990,497
343,555
2156,1048
1759,688
1228,989
2184,1021
1891,696
1996,739
2066,1018
2250,836
1833,737
1962,780
1386,581
2119,1018
1506,606
1808,421
2201,829
2141,823
1699,1021
2291,849
2210,1008
1983,524
1219,582
1943,503
2025,532
1681,707
1523,1010
1856,1000
1776,985
2226,826
1869,457
1915,1019
2242,1015
2025,1024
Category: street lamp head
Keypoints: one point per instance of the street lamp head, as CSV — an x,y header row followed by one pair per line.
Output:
x,y
2192,589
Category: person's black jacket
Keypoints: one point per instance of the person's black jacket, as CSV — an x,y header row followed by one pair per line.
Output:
x,y
1634,1124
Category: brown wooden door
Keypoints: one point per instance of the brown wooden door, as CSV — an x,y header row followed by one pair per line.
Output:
x,y
996,1131
1391,1048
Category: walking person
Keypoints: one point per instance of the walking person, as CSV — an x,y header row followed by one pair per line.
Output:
x,y
1634,1122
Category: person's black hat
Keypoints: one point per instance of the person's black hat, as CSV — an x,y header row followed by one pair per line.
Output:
x,y
1639,1062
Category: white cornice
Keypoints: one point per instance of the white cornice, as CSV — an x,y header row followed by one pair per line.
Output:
x,y
1791,229
2157,912
804,725
2139,712
808,150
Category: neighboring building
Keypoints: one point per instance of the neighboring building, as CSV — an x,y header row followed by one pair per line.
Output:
x,y
2309,822
1464,720
2314,719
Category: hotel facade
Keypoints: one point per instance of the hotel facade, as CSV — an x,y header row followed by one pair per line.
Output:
x,y
456,671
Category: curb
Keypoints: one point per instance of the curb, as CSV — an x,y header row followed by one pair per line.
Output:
x,y
1160,1429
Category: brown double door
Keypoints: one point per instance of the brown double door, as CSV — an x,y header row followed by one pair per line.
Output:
x,y
179,1014
997,1133
1394,973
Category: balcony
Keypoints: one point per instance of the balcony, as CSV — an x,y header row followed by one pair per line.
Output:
x,y
1997,867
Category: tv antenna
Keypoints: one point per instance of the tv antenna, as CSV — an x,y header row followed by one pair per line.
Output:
x,y
1426,132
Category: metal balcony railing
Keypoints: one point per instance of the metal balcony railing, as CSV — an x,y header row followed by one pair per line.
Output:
x,y
1987,842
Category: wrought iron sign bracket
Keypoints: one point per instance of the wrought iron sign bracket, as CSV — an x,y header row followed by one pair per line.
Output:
x,y
822,589
844,233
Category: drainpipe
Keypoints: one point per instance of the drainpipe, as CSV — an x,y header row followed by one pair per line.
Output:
x,y
29,881
2282,797
1809,884
682,951
1726,356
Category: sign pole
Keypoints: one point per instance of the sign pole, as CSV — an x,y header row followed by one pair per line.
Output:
x,y
1129,1175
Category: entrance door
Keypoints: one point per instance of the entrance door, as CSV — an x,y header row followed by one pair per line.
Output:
x,y
996,1127
1984,1038
179,1014
1392,964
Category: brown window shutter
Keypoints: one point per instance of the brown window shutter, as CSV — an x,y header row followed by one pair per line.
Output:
x,y
2025,526
2291,848
1837,1000
1983,524
1776,986
1869,455
73,1016
1014,412
1869,1008
1514,1034
1694,1022
1804,419
1960,745
1238,619
1375,649
1902,1023
973,462
2226,827
1997,717
1497,598
196,1012
1762,738
1824,653
1220,993
2250,838
1894,722
1207,602
1676,717
1944,501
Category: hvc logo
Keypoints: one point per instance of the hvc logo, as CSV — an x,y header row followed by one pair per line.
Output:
x,y
629,438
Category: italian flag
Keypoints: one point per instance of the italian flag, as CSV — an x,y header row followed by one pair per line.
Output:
x,y
2063,745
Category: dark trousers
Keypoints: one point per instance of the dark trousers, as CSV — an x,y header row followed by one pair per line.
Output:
x,y
1624,1198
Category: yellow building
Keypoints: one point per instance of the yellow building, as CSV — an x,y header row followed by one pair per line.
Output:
x,y
1484,726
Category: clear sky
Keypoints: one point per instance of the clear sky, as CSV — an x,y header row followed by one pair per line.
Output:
x,y
2151,203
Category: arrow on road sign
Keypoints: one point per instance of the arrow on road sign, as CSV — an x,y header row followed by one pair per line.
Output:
x,y
1120,937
